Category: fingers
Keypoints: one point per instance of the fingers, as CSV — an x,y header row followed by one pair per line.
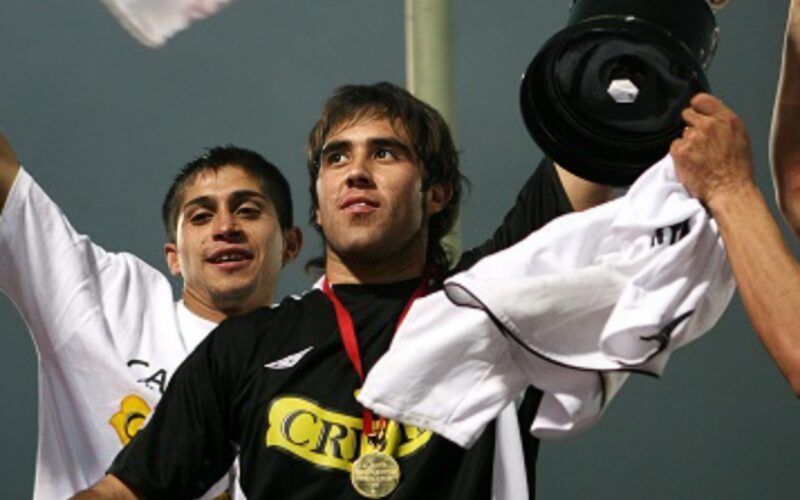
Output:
x,y
692,118
677,148
706,104
684,151
702,107
705,109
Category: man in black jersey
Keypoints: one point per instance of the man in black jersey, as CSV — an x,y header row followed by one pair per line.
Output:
x,y
277,386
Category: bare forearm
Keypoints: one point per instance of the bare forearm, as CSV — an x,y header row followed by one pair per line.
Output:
x,y
767,274
108,488
785,137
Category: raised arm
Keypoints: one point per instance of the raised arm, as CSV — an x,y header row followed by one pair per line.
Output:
x,y
713,161
785,138
583,194
9,167
550,192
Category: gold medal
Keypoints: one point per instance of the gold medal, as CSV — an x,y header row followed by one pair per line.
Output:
x,y
375,474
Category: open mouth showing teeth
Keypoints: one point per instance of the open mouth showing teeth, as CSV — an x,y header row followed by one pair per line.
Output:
x,y
229,257
360,204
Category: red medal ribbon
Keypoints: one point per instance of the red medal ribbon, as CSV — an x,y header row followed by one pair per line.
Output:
x,y
347,331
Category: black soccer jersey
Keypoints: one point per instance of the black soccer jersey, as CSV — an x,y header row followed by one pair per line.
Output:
x,y
276,387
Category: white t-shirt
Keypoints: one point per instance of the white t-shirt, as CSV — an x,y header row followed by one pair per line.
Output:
x,y
581,303
108,333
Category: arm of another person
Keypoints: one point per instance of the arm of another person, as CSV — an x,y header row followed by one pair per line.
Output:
x,y
58,279
9,168
551,191
714,162
186,446
785,137
583,194
108,488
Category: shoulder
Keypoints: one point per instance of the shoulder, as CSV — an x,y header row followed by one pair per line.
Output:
x,y
25,191
241,344
277,319
22,192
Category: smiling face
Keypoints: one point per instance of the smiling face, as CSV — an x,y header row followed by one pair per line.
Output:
x,y
230,247
372,209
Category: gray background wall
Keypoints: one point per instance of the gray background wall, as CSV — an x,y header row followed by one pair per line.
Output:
x,y
103,123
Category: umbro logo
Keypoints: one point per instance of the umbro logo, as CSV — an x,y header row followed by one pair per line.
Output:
x,y
289,361
664,335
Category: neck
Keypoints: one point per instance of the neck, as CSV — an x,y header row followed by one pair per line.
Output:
x,y
339,270
217,312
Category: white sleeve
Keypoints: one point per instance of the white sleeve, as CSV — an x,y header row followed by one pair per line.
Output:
x,y
58,279
618,287
612,289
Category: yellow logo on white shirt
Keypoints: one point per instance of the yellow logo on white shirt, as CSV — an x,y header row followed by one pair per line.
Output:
x,y
130,418
132,414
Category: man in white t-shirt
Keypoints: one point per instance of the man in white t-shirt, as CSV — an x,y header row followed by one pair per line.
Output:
x,y
107,329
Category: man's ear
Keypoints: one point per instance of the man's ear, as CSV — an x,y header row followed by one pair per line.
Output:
x,y
173,261
439,195
292,244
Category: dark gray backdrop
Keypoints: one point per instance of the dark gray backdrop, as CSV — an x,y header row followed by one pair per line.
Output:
x,y
103,123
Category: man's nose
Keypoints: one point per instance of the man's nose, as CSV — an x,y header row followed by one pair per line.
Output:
x,y
226,226
359,174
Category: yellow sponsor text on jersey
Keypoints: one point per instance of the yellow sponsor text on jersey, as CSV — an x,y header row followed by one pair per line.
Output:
x,y
331,439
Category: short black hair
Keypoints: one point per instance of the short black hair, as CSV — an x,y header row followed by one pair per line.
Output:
x,y
273,184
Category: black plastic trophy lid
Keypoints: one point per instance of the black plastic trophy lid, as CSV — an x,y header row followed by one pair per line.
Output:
x,y
604,96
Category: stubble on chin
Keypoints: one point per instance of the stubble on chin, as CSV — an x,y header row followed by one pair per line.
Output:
x,y
366,249
233,297
358,240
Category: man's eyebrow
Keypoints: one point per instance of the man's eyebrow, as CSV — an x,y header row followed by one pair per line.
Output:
x,y
391,142
334,146
246,194
374,143
237,197
200,201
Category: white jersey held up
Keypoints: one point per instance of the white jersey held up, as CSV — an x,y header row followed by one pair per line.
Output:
x,y
153,22
108,333
572,310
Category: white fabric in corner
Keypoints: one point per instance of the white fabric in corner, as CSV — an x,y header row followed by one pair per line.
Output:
x,y
152,22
